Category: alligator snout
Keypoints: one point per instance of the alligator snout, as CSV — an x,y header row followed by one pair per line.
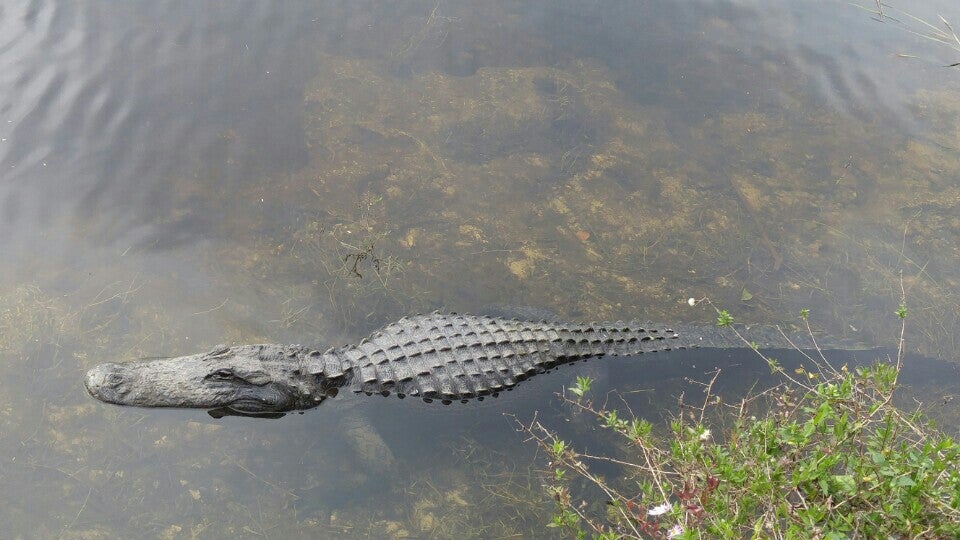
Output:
x,y
105,382
242,382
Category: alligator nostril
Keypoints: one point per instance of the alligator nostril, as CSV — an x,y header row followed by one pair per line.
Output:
x,y
94,380
104,381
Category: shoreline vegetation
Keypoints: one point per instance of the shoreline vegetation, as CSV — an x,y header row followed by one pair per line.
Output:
x,y
825,453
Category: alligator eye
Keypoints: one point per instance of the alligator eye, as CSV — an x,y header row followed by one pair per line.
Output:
x,y
222,375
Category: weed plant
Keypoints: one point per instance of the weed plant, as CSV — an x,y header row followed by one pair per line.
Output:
x,y
823,454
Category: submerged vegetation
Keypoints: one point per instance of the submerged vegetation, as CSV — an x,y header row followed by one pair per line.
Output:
x,y
431,184
824,454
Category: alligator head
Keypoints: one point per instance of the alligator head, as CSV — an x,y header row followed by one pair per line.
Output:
x,y
249,380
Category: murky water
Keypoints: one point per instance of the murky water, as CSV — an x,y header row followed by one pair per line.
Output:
x,y
178,175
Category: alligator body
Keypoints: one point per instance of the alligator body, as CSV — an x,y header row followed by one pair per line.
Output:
x,y
440,356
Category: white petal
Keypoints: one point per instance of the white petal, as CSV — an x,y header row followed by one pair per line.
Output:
x,y
660,510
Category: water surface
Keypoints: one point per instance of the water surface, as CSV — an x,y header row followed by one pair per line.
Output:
x,y
174,176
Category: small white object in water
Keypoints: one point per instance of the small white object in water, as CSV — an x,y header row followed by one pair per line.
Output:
x,y
692,301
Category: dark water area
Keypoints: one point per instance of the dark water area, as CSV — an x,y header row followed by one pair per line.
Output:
x,y
177,175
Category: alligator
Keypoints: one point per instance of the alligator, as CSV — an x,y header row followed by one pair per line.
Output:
x,y
440,356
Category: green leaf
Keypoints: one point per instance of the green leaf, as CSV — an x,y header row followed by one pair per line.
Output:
x,y
582,387
904,481
842,483
878,458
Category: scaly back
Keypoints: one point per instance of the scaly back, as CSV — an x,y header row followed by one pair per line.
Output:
x,y
457,357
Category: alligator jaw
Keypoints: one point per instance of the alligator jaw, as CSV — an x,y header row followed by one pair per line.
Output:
x,y
227,411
